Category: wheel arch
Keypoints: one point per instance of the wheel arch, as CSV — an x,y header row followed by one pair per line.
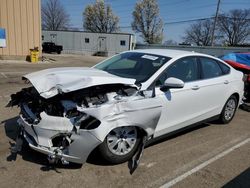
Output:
x,y
237,95
106,127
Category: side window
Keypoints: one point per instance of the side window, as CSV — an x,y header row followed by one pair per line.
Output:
x,y
185,69
210,68
225,69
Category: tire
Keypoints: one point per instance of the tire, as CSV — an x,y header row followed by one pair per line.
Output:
x,y
229,110
245,107
120,144
58,52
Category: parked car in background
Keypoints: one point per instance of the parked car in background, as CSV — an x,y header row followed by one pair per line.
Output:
x,y
240,61
50,47
68,112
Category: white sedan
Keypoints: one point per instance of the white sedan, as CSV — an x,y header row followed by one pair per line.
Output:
x,y
124,101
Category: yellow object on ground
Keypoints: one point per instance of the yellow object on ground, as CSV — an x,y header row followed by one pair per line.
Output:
x,y
34,55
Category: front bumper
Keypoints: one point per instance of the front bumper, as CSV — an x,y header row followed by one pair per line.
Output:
x,y
40,138
56,153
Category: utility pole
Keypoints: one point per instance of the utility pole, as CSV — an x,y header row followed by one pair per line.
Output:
x,y
215,21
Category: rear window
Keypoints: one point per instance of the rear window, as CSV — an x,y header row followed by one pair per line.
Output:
x,y
225,69
210,68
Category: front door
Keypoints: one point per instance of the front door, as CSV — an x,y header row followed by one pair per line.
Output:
x,y
182,106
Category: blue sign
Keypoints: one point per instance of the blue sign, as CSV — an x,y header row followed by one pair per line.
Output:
x,y
2,38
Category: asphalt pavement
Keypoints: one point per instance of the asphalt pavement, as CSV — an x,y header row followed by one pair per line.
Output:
x,y
209,155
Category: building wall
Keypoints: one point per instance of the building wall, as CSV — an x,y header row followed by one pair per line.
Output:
x,y
21,20
75,42
211,50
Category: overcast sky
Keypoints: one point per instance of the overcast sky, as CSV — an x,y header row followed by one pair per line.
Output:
x,y
170,10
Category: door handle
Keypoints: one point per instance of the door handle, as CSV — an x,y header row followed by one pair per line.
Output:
x,y
195,87
226,82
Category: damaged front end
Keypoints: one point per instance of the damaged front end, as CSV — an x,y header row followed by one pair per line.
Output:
x,y
66,119
58,126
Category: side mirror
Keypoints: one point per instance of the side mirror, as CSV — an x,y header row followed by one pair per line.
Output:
x,y
172,83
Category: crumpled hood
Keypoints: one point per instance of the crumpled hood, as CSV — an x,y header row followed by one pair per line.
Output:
x,y
50,82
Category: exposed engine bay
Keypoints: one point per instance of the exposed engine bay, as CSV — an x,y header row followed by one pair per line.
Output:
x,y
65,105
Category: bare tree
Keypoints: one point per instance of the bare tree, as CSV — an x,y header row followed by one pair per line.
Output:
x,y
234,26
199,33
100,18
147,21
54,16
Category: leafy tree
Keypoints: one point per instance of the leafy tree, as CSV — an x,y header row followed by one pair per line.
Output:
x,y
100,18
234,26
54,16
199,33
147,21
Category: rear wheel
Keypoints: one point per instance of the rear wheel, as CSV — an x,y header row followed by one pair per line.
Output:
x,y
120,144
229,110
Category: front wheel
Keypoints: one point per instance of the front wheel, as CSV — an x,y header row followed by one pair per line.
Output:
x,y
229,110
120,144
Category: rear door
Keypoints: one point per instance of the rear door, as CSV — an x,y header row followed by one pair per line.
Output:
x,y
214,84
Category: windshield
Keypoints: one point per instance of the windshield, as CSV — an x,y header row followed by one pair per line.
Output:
x,y
140,66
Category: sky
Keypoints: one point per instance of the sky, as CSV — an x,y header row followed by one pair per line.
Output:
x,y
171,11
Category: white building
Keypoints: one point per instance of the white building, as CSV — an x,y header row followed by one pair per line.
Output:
x,y
79,42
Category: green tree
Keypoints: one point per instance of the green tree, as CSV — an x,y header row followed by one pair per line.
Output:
x,y
99,17
147,21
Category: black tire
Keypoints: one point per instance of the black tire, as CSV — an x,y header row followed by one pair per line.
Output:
x,y
58,52
245,107
114,158
229,110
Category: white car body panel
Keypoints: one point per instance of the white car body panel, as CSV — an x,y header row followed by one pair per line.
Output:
x,y
188,105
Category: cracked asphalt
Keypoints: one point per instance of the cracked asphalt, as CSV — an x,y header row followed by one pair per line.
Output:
x,y
209,155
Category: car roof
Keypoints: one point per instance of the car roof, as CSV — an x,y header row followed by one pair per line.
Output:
x,y
167,52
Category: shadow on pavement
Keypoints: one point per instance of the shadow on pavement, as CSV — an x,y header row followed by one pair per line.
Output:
x,y
96,159
11,130
10,126
242,180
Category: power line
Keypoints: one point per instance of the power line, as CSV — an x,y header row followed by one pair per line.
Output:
x,y
166,23
177,22
185,21
169,11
